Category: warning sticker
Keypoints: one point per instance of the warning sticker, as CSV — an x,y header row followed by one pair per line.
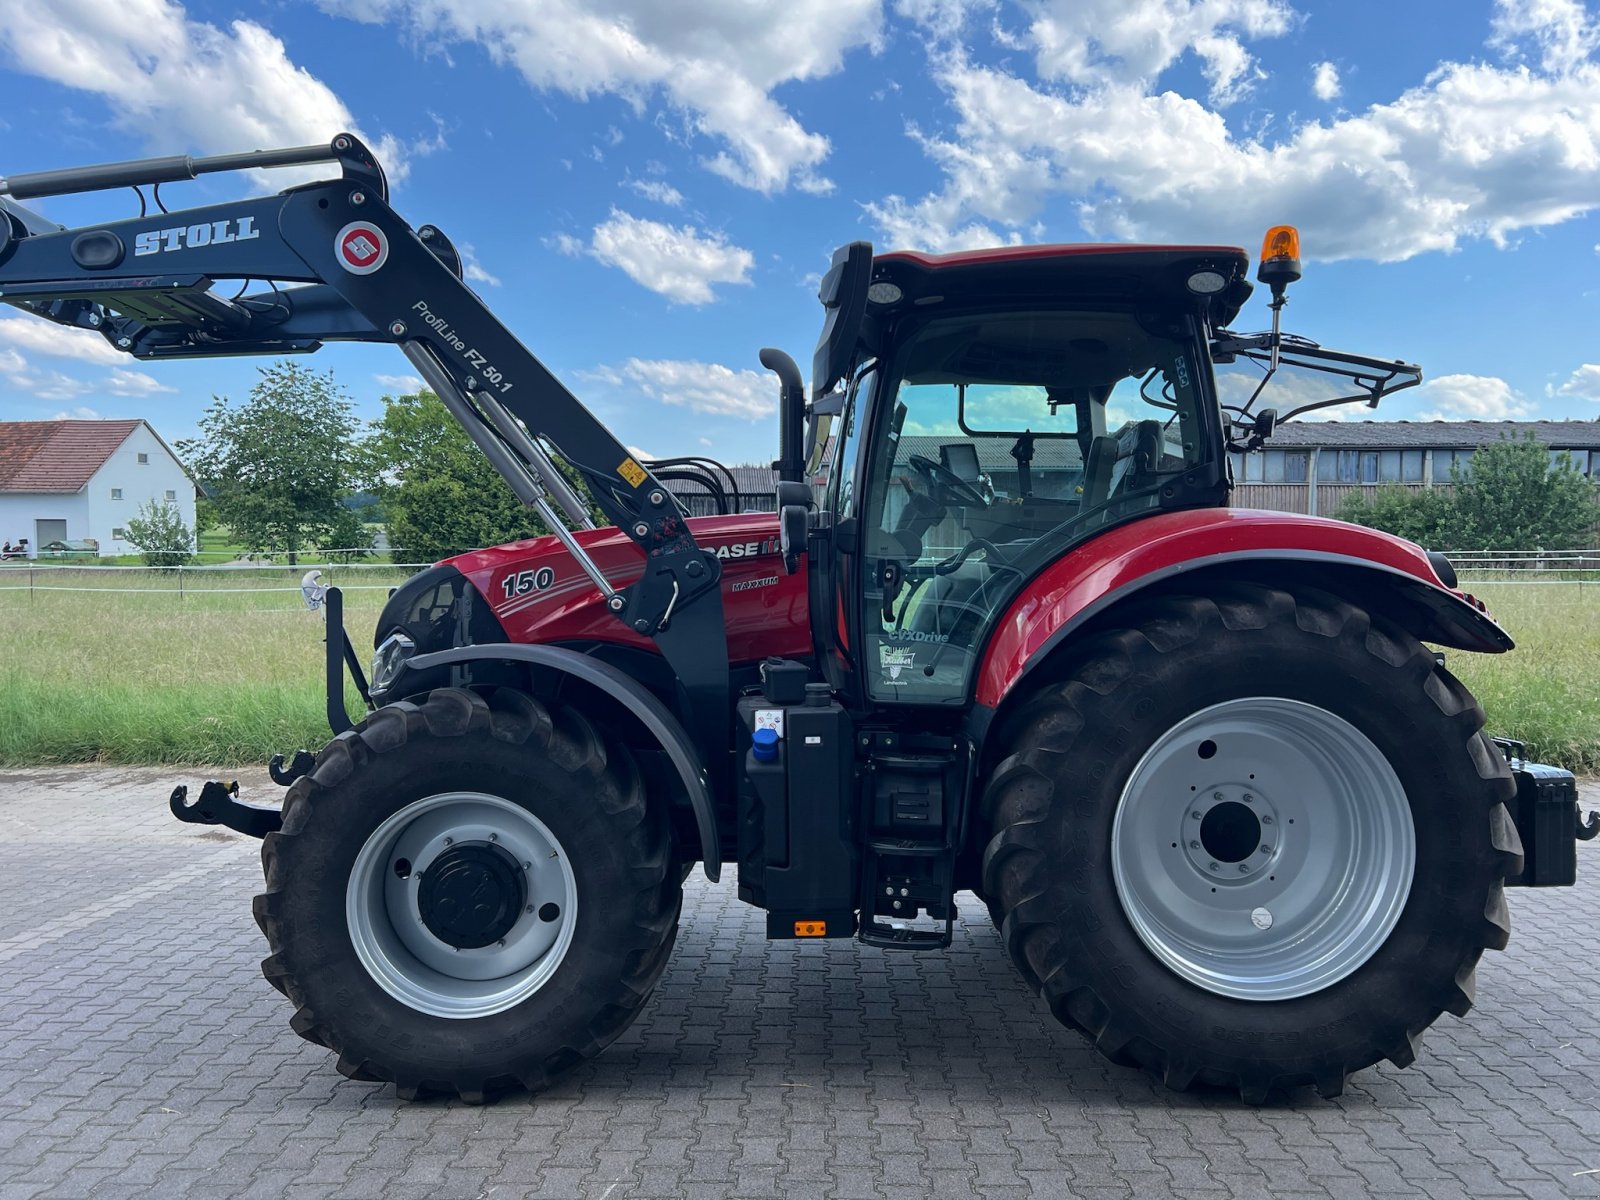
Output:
x,y
632,472
361,248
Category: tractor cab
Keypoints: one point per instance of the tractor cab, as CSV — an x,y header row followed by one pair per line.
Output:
x,y
1000,408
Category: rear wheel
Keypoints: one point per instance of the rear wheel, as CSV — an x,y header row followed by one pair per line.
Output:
x,y
468,895
1255,839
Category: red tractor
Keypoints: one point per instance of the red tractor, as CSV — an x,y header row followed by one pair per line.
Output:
x,y
1231,815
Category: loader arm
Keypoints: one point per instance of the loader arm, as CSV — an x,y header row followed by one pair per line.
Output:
x,y
339,264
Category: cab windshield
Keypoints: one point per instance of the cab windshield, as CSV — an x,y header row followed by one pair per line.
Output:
x,y
1002,439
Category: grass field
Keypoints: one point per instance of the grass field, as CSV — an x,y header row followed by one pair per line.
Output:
x,y
229,677
229,674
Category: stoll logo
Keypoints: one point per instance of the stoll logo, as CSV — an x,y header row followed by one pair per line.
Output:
x,y
192,237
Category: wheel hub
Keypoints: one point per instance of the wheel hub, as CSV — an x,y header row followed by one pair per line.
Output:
x,y
471,895
461,904
1230,832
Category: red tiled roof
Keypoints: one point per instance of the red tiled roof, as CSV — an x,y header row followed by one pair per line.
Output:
x,y
57,456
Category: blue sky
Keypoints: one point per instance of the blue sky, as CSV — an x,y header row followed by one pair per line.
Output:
x,y
651,190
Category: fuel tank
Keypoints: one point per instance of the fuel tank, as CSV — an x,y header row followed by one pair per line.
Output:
x,y
540,594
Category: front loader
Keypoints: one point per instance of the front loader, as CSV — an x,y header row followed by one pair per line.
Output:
x,y
1232,816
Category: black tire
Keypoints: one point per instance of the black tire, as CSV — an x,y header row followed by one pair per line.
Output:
x,y
555,764
1052,802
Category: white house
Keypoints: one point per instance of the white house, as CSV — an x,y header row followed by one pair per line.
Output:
x,y
83,480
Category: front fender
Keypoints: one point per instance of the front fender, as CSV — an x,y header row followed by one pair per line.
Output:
x,y
1384,573
657,719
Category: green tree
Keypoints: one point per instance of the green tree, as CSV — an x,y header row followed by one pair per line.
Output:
x,y
440,495
277,465
1512,497
348,535
162,537
1515,498
1420,515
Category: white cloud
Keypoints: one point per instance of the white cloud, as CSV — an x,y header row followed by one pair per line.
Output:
x,y
1472,398
181,85
679,262
38,336
1560,29
1325,83
22,376
698,386
942,18
474,270
1476,151
122,382
398,385
658,190
1584,383
81,413
717,67
1131,42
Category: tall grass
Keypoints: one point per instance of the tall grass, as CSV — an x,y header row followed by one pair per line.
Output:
x,y
225,679
212,678
1546,692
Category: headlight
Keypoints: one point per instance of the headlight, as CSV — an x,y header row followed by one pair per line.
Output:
x,y
387,660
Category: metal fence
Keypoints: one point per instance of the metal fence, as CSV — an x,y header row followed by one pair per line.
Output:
x,y
193,580
1577,566
1501,566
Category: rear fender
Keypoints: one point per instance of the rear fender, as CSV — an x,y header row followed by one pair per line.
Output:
x,y
655,719
1384,574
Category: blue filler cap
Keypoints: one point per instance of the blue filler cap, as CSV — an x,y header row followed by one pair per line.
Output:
x,y
764,745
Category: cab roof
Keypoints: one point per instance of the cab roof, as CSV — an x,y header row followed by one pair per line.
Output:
x,y
1112,272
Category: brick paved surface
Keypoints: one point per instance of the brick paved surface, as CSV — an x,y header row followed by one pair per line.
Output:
x,y
141,1053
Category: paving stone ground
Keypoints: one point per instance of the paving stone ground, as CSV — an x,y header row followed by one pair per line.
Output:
x,y
142,1054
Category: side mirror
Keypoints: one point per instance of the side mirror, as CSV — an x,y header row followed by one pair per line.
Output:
x,y
1266,424
794,524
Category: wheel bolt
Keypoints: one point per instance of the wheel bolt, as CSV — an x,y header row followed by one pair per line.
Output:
x,y
527,866
1214,867
1194,845
1244,868
1266,820
494,837
1195,815
1266,849
501,942
449,841
1249,799
529,908
1216,795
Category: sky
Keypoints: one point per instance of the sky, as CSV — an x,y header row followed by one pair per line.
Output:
x,y
648,192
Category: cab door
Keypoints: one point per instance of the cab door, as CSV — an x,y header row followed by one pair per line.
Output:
x,y
834,549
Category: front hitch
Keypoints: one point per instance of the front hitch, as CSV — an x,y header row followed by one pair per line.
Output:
x,y
219,804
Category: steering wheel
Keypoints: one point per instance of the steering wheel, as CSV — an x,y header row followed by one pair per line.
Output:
x,y
941,478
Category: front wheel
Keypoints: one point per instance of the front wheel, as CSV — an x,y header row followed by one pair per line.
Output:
x,y
1254,839
468,895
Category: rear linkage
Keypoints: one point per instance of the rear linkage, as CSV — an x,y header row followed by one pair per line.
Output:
x,y
358,272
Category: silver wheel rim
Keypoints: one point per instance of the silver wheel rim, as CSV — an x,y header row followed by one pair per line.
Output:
x,y
1316,840
417,968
